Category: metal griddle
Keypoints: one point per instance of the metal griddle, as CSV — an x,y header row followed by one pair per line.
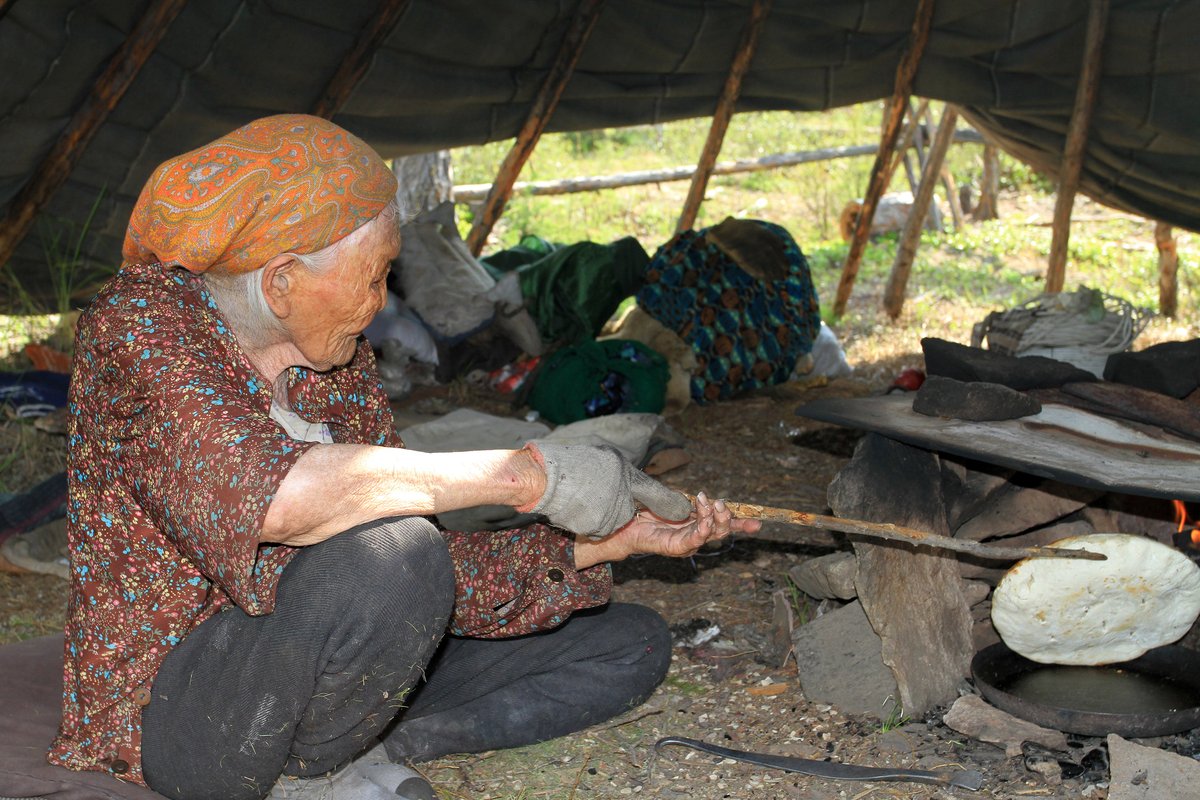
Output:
x,y
1003,677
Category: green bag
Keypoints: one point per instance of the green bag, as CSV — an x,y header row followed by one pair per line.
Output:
x,y
597,378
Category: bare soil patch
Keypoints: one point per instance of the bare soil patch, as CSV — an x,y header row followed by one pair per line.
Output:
x,y
732,690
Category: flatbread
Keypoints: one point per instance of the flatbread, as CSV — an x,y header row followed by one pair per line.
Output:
x,y
1070,611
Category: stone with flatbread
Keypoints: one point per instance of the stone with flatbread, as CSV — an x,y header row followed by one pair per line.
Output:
x,y
1072,611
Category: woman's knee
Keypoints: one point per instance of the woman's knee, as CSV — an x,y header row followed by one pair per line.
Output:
x,y
397,563
651,640
409,555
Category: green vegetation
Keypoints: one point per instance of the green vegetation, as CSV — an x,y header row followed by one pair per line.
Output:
x,y
801,603
957,277
44,312
895,716
684,687
70,273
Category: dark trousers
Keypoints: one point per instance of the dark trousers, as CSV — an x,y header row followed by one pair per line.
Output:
x,y
357,625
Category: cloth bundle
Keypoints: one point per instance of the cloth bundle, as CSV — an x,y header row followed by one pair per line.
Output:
x,y
741,295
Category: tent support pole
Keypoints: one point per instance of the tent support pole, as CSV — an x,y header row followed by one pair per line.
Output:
x,y
722,114
956,212
1168,270
353,67
108,90
906,251
1073,150
922,147
908,139
905,73
989,185
543,107
952,198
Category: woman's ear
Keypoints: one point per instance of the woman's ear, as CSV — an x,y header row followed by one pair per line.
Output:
x,y
278,284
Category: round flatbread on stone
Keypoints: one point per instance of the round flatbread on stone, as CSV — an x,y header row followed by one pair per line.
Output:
x,y
1071,611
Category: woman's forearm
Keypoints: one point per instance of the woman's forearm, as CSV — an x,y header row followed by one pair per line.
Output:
x,y
333,487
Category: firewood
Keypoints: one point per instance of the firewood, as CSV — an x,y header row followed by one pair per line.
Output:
x,y
896,533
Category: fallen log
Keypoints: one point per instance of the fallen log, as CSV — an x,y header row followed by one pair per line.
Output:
x,y
475,192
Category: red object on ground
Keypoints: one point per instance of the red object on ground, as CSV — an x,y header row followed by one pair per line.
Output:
x,y
909,380
509,378
47,358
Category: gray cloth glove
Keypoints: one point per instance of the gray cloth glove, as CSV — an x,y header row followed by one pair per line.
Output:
x,y
592,490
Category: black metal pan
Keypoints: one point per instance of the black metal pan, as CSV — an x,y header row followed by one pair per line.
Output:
x,y
1154,695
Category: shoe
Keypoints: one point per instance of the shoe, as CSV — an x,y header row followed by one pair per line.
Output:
x,y
377,765
363,779
42,549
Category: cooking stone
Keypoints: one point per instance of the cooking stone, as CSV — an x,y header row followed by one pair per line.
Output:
x,y
1068,611
1147,773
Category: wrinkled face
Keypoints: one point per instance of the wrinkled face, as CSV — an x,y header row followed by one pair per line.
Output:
x,y
332,308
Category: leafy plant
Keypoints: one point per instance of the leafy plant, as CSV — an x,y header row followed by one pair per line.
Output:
x,y
69,269
800,604
895,716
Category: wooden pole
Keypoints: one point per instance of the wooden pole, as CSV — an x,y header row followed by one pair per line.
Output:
x,y
905,73
989,185
917,120
1076,143
543,107
893,299
1168,270
897,533
956,213
354,66
475,192
723,112
907,139
951,187
108,90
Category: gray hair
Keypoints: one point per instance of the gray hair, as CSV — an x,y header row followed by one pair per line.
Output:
x,y
242,302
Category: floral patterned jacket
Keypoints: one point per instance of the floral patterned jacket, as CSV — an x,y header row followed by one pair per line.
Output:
x,y
173,461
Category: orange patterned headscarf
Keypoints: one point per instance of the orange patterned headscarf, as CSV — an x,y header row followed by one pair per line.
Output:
x,y
284,184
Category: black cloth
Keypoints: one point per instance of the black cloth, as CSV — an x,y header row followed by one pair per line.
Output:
x,y
484,694
43,503
459,72
358,618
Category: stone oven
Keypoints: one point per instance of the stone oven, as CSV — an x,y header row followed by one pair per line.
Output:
x,y
1076,466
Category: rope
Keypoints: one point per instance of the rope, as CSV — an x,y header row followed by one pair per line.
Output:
x,y
1087,319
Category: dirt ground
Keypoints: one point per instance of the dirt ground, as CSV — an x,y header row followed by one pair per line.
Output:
x,y
733,690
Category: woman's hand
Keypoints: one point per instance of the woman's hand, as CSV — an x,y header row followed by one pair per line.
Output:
x,y
646,533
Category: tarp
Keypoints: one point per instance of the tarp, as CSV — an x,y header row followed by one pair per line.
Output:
x,y
456,72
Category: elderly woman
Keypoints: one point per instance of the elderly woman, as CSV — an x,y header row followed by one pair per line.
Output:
x,y
256,597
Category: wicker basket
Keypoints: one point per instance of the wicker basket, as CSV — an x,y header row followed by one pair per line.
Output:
x,y
1082,328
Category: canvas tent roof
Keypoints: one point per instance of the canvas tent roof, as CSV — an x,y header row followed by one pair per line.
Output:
x,y
454,72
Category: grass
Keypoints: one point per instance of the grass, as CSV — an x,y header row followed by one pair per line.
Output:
x,y
684,687
957,277
70,274
800,602
895,716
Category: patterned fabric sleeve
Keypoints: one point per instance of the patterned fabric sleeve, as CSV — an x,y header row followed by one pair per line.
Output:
x,y
201,459
350,400
520,581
